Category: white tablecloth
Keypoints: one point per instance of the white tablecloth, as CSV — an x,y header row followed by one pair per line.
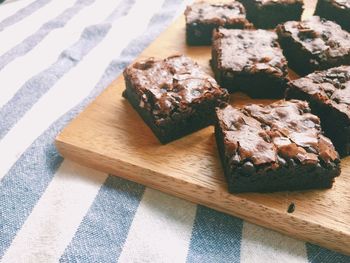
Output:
x,y
55,57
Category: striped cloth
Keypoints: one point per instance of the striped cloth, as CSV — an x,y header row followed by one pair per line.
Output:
x,y
55,58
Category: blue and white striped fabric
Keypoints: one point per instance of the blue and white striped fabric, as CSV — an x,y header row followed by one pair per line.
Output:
x,y
55,57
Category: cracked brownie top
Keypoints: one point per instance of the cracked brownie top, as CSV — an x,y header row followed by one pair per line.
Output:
x,y
219,14
249,51
324,39
172,86
330,86
282,134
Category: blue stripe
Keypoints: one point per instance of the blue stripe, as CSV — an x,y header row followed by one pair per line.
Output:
x,y
104,229
38,85
30,42
23,185
158,23
23,13
216,237
318,254
27,180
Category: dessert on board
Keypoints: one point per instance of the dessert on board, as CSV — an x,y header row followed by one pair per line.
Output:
x,y
202,18
335,10
314,44
250,61
274,148
269,13
328,93
174,96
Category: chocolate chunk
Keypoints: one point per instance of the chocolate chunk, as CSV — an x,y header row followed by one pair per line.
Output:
x,y
248,168
291,208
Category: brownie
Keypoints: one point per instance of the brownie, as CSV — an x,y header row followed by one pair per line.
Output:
x,y
202,18
328,93
335,10
270,13
276,147
174,96
250,61
314,44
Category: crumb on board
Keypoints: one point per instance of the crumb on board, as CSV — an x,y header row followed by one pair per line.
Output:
x,y
291,208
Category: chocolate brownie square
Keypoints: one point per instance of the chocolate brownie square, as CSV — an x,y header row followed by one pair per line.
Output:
x,y
174,96
314,44
335,10
250,61
202,18
270,13
328,93
274,148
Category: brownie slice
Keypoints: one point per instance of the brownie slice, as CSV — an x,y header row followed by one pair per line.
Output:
x,y
270,13
314,44
274,148
174,96
202,18
335,10
250,61
328,93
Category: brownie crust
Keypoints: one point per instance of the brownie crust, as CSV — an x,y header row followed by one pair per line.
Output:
x,y
174,96
250,61
335,10
268,14
314,44
328,93
202,18
274,148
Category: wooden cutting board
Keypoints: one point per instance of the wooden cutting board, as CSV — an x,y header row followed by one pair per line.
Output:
x,y
111,137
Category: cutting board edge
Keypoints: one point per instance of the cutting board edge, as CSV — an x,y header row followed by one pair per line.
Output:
x,y
291,226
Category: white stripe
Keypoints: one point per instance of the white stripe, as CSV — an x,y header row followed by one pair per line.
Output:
x,y
160,231
63,96
264,245
16,73
8,9
16,33
57,215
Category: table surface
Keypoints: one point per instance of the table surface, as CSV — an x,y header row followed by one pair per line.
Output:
x,y
53,62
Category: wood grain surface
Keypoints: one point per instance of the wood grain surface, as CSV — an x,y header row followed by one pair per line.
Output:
x,y
111,137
